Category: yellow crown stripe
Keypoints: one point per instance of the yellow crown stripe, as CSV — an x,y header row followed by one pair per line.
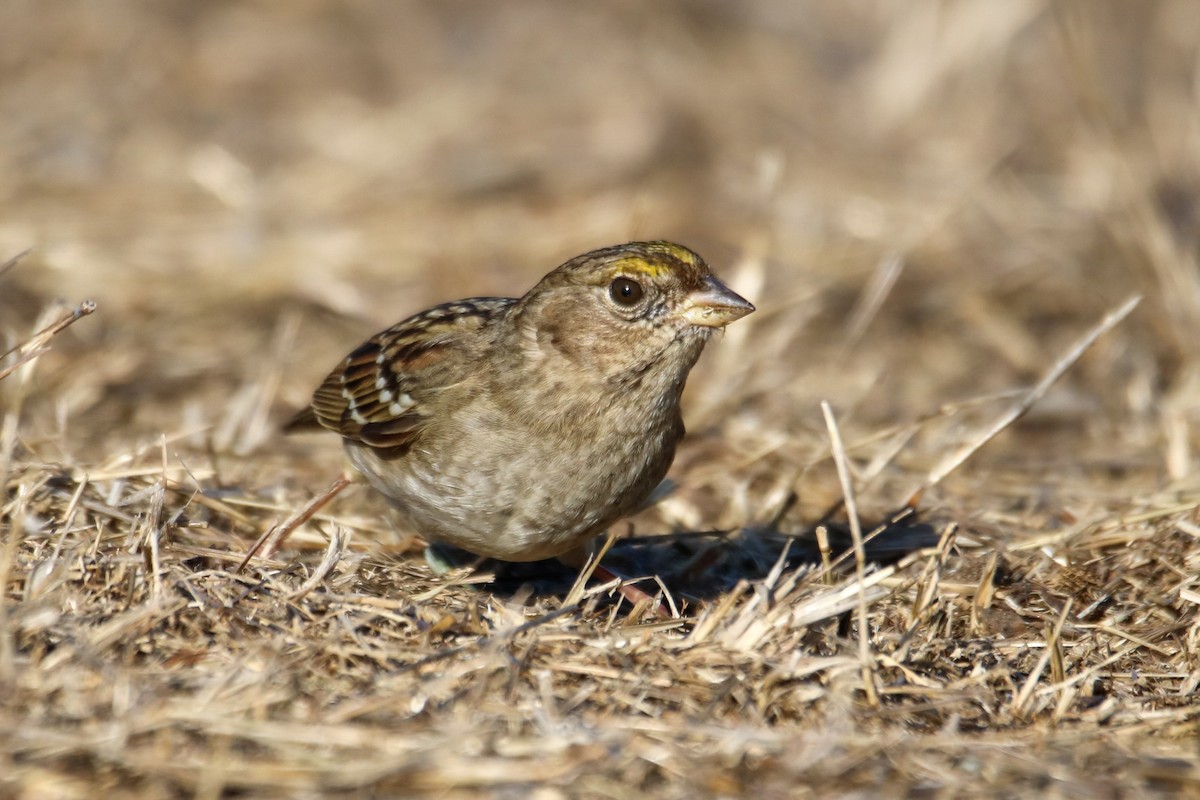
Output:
x,y
650,266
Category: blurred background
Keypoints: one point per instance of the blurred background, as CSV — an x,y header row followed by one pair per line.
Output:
x,y
927,202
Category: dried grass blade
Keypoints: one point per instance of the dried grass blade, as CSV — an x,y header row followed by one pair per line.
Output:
x,y
35,345
1021,408
842,463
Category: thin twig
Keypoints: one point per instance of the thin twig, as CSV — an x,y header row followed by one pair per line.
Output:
x,y
35,345
575,596
277,534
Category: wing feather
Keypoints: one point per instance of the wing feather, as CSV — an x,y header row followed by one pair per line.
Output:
x,y
380,393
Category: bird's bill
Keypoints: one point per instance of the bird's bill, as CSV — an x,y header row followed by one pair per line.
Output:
x,y
715,306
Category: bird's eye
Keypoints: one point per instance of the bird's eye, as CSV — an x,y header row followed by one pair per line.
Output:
x,y
625,292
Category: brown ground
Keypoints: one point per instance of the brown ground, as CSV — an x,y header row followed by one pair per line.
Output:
x,y
929,202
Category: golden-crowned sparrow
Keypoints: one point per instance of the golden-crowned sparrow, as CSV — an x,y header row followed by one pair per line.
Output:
x,y
518,428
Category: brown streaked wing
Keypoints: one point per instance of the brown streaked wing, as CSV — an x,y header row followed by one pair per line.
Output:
x,y
377,394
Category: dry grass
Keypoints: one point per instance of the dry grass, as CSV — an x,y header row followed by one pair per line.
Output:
x,y
930,205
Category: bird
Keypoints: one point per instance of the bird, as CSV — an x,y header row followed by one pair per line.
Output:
x,y
520,428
